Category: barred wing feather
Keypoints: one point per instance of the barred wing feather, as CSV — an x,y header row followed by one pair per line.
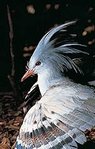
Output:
x,y
59,120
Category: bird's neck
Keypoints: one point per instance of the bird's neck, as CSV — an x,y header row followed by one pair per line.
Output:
x,y
49,79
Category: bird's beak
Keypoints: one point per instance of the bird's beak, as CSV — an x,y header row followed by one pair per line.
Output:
x,y
27,75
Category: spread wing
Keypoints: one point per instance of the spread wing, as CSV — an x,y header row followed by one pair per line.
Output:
x,y
29,101
58,121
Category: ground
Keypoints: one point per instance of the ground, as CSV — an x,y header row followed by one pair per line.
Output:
x,y
11,119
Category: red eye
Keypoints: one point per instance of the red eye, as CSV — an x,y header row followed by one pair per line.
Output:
x,y
38,63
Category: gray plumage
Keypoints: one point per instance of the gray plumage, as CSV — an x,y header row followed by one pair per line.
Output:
x,y
66,110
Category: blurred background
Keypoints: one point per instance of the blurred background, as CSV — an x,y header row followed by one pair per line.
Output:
x,y
28,20
22,24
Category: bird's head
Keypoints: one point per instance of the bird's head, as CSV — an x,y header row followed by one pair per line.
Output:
x,y
53,54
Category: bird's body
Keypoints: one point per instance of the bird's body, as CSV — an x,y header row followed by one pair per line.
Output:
x,y
66,110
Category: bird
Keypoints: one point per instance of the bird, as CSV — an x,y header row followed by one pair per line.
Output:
x,y
66,109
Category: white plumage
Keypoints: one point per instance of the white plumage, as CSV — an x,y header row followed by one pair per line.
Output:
x,y
66,110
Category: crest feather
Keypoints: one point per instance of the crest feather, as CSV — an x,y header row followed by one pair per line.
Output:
x,y
60,46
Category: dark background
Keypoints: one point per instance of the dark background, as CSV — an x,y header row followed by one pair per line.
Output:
x,y
31,19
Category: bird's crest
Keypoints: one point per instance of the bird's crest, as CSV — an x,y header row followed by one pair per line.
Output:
x,y
60,46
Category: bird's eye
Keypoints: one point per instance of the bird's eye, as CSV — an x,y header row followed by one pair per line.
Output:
x,y
37,63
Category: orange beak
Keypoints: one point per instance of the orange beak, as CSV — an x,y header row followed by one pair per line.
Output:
x,y
27,75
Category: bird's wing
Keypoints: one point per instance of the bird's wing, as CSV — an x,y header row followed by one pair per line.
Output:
x,y
57,121
29,101
33,91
